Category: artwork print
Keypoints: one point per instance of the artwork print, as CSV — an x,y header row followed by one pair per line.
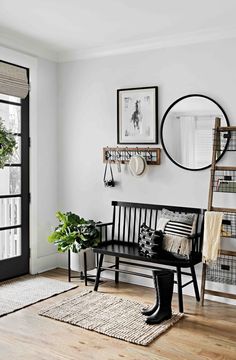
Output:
x,y
137,116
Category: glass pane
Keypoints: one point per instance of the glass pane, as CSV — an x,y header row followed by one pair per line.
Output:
x,y
10,180
10,115
10,98
10,212
16,157
10,243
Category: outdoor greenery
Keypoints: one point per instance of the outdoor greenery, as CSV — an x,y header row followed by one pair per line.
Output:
x,y
74,233
7,145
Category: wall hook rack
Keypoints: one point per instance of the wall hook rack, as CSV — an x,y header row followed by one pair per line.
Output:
x,y
122,155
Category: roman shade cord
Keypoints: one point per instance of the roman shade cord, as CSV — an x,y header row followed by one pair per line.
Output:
x,y
13,80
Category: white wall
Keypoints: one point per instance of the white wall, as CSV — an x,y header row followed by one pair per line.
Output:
x,y
47,162
87,122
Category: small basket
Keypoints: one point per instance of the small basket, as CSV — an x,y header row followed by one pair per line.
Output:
x,y
223,270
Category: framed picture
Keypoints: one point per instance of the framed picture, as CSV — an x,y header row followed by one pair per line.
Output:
x,y
137,121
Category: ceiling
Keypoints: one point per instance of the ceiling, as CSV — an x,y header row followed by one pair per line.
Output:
x,y
64,30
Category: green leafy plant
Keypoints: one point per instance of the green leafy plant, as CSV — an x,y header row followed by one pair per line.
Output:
x,y
7,145
74,233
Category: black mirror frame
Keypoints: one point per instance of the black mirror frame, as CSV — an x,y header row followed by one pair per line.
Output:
x,y
162,126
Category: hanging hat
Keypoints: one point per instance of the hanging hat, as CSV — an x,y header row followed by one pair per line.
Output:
x,y
137,165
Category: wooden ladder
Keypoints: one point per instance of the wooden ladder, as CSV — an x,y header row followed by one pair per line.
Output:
x,y
215,154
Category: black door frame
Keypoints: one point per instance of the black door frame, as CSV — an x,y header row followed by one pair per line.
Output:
x,y
19,265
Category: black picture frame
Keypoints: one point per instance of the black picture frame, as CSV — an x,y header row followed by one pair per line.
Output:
x,y
135,95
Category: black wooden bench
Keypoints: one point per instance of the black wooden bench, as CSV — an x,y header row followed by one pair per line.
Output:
x,y
122,243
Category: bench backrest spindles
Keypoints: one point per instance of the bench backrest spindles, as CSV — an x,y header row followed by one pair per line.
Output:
x,y
119,223
134,224
128,217
124,223
128,235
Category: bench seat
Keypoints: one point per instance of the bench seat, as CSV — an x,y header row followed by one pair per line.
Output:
x,y
131,251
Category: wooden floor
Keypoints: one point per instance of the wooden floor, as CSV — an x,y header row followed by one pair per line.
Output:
x,y
204,333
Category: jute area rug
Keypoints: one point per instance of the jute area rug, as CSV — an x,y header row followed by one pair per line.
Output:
x,y
27,290
110,315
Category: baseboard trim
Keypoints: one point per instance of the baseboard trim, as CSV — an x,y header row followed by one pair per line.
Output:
x,y
44,263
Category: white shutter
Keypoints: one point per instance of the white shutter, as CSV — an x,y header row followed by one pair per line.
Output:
x,y
13,80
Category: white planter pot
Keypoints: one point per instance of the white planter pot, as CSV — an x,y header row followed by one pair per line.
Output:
x,y
77,260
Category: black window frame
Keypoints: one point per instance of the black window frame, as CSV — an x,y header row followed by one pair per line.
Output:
x,y
19,265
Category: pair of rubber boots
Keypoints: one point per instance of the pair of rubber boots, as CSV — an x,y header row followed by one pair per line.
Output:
x,y
161,310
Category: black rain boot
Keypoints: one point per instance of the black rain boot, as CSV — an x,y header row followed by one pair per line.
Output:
x,y
165,285
150,311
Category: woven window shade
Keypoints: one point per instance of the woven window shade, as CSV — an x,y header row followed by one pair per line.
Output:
x,y
13,80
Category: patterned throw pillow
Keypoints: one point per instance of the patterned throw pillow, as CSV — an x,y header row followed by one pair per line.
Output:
x,y
181,217
150,242
190,218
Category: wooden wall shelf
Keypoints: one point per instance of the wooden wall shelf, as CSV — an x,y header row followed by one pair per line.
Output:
x,y
122,155
222,179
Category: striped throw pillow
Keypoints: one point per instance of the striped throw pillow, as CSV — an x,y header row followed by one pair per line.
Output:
x,y
178,228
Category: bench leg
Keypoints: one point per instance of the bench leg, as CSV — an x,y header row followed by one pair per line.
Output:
x,y
195,285
117,272
98,272
180,293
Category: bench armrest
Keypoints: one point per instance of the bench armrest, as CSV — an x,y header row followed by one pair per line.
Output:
x,y
194,236
196,243
102,227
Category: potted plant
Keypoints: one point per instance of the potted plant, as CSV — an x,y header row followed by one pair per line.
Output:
x,y
7,145
78,235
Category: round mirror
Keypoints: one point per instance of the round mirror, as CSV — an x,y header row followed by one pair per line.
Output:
x,y
186,131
